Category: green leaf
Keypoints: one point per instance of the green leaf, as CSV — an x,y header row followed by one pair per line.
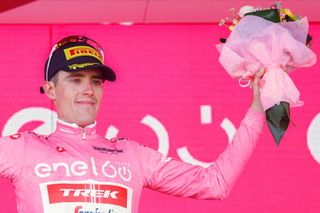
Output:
x,y
278,118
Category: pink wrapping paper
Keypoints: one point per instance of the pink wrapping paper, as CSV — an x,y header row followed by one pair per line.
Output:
x,y
279,47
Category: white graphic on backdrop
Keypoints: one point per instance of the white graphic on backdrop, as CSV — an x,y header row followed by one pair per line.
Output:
x,y
313,137
112,132
160,131
24,116
158,128
206,118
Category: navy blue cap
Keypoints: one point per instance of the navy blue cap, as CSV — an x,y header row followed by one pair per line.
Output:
x,y
74,57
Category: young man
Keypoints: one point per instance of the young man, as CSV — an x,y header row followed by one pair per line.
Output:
x,y
75,170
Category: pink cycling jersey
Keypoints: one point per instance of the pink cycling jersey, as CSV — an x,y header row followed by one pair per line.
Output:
x,y
74,170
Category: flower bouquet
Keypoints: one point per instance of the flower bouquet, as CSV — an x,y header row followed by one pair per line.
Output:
x,y
277,40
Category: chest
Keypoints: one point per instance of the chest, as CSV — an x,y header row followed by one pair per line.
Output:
x,y
98,162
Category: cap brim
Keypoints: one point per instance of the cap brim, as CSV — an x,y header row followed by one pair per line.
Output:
x,y
108,73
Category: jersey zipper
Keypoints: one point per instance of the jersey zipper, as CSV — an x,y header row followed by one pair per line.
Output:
x,y
84,134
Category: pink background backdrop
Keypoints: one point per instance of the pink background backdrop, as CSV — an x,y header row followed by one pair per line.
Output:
x,y
168,72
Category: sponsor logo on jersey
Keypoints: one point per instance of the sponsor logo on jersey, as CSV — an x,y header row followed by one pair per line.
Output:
x,y
87,193
87,196
107,150
112,170
15,136
81,209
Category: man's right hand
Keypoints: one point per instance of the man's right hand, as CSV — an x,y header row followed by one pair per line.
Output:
x,y
256,102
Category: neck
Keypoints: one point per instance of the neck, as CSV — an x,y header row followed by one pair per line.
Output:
x,y
75,125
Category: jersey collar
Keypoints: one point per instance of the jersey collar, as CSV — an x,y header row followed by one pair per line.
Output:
x,y
73,128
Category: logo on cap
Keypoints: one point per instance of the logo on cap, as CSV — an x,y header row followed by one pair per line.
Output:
x,y
77,66
78,51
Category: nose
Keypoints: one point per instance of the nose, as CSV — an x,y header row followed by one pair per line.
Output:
x,y
88,88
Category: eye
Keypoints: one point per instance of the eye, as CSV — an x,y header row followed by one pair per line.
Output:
x,y
75,80
97,82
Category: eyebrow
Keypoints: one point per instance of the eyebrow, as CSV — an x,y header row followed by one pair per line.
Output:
x,y
73,75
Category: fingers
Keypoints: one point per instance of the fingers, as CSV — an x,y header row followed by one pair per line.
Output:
x,y
259,75
257,81
256,102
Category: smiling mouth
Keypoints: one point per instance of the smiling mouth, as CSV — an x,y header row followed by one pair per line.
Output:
x,y
89,103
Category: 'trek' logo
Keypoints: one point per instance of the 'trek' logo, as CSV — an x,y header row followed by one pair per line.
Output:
x,y
88,193
78,51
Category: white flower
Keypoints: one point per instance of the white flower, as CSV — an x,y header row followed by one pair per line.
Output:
x,y
246,9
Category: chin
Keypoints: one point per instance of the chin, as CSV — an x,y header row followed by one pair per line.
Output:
x,y
85,122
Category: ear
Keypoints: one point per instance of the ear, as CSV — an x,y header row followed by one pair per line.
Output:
x,y
49,89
